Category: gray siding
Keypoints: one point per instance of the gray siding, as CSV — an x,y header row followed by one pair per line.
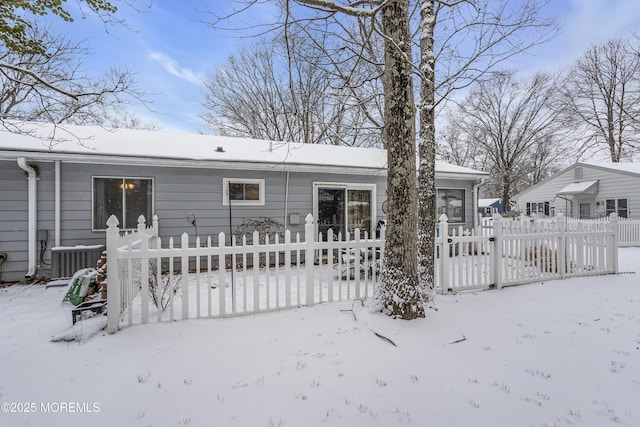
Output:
x,y
13,219
177,193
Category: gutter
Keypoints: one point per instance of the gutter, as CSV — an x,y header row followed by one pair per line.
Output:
x,y
191,163
57,215
475,201
32,177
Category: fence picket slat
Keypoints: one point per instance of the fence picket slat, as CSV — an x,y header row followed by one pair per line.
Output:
x,y
184,268
222,285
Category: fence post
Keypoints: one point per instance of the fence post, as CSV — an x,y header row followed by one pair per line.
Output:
x,y
154,225
562,246
614,220
142,225
154,233
184,271
144,273
287,267
113,281
497,250
309,255
222,273
443,237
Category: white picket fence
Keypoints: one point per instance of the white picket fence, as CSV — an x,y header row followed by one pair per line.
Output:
x,y
628,228
152,283
149,282
519,252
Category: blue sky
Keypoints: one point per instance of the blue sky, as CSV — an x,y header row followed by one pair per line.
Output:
x,y
171,51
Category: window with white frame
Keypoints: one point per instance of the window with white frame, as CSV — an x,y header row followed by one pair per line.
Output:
x,y
126,198
619,206
538,208
344,207
451,202
243,192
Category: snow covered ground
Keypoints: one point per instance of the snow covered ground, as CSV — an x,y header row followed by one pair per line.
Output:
x,y
561,353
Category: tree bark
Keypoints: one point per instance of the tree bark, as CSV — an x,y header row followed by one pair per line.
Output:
x,y
427,149
399,293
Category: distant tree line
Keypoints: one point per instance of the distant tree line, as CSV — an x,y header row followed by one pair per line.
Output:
x,y
523,130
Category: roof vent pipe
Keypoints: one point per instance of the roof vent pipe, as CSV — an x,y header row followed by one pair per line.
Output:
x,y
32,178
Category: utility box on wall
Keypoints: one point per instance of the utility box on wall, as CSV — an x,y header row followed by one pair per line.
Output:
x,y
294,219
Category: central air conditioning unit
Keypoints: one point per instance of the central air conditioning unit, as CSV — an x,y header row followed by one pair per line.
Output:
x,y
65,261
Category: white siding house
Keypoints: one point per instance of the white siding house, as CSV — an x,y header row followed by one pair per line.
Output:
x,y
586,190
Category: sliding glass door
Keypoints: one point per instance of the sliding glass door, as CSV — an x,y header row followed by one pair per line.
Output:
x,y
344,207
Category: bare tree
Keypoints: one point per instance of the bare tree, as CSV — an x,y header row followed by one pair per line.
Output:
x,y
466,38
454,146
461,41
54,87
42,76
282,90
513,123
128,120
601,97
399,293
252,95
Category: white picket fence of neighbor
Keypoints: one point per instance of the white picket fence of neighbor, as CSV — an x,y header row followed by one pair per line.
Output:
x,y
149,282
524,251
628,228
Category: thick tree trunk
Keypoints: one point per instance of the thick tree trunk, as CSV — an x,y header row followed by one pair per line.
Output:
x,y
399,293
427,150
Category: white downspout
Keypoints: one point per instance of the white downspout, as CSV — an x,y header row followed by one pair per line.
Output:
x,y
475,202
286,200
32,177
57,203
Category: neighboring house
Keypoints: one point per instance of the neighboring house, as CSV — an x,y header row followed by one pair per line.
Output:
x,y
487,207
61,193
586,190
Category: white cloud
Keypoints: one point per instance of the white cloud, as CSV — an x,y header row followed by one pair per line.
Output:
x,y
171,66
597,21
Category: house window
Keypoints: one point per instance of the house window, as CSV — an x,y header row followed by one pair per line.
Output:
x,y
344,207
538,208
126,198
243,192
451,202
619,206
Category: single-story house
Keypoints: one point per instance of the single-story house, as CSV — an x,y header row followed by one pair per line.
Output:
x,y
586,190
487,207
60,192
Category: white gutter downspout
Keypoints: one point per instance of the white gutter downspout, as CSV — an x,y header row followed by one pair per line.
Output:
x,y
475,202
286,200
57,203
32,177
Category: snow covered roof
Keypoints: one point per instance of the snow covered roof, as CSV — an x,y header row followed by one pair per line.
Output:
x,y
127,146
579,188
622,167
485,203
